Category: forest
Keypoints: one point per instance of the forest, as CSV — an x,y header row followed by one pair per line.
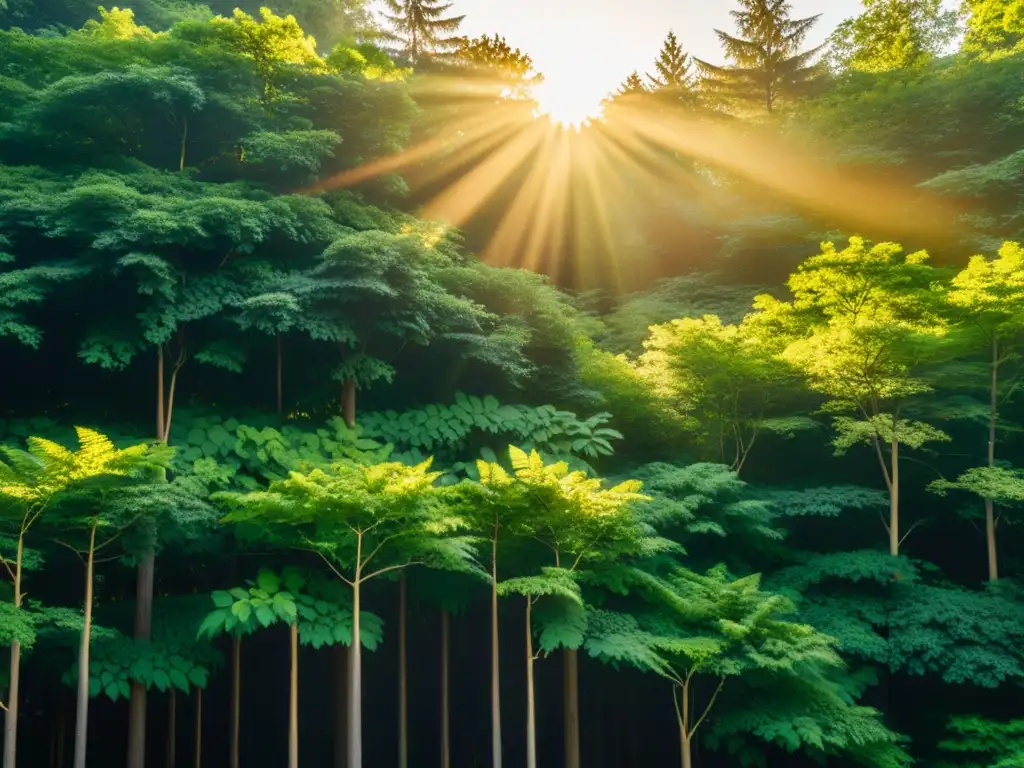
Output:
x,y
419,428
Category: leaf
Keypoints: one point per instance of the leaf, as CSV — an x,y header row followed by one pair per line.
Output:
x,y
161,680
268,581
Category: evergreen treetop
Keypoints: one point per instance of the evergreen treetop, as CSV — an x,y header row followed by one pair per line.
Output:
x,y
767,65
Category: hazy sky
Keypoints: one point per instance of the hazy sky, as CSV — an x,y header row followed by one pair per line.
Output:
x,y
595,44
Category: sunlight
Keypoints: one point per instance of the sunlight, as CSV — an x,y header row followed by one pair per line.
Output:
x,y
566,103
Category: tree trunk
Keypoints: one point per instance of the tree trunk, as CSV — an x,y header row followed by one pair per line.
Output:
x,y
685,737
293,702
197,760
570,660
990,513
894,499
11,715
446,745
348,402
403,681
184,141
82,702
161,420
355,694
280,377
495,661
236,700
341,664
172,727
143,627
531,715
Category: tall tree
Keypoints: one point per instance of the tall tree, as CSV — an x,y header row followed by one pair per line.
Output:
x,y
364,521
423,28
893,34
672,67
864,325
990,295
30,482
767,65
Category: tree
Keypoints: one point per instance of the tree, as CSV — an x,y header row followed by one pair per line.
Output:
x,y
581,523
893,34
863,325
364,521
30,482
423,28
633,84
672,67
728,378
301,603
767,66
990,294
995,28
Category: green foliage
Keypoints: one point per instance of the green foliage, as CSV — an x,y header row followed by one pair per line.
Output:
x,y
976,738
767,65
322,614
893,34
173,658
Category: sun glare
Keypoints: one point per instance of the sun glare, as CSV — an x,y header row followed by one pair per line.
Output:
x,y
566,104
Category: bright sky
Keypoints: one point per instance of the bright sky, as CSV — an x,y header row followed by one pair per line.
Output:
x,y
592,45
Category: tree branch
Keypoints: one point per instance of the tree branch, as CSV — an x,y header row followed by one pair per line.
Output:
x,y
718,690
369,576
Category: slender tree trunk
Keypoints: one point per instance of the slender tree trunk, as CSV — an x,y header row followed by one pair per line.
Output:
x,y
355,694
293,702
685,737
570,660
495,660
172,727
161,419
11,715
990,513
403,681
341,665
236,700
184,140
348,402
82,702
143,626
894,499
531,713
446,745
197,760
280,376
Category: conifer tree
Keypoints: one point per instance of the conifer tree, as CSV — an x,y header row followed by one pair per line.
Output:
x,y
766,63
423,28
672,67
632,84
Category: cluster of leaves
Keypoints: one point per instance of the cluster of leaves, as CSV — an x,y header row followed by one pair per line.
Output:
x,y
291,597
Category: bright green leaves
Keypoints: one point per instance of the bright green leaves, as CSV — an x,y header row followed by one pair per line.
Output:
x,y
262,603
727,377
364,519
985,743
893,35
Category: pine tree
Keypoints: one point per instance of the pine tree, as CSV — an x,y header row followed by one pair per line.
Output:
x,y
672,66
422,28
632,84
766,63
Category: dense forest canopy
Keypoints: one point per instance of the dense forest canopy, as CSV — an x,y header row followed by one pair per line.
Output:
x,y
359,407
